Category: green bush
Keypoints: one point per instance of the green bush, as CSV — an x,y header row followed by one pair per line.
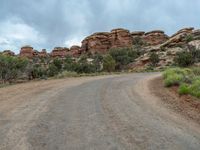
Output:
x,y
196,71
123,56
154,59
109,63
52,70
98,61
84,68
195,88
58,64
39,72
172,80
195,54
184,59
175,76
11,68
187,79
184,89
189,38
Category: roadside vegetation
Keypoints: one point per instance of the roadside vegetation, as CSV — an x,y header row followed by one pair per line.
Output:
x,y
15,69
187,80
185,75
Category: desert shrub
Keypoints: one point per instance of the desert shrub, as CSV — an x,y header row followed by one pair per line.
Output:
x,y
97,61
154,59
69,64
84,68
109,63
123,56
196,71
11,68
189,38
39,72
195,54
184,59
52,70
172,80
138,41
195,88
175,76
58,64
187,79
184,89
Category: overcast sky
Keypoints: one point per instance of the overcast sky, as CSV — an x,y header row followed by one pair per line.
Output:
x,y
50,23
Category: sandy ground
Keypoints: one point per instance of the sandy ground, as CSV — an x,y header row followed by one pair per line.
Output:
x,y
93,113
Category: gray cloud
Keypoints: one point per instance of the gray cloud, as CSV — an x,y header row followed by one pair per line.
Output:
x,y
50,23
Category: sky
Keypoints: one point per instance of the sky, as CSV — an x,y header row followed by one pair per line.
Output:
x,y
51,23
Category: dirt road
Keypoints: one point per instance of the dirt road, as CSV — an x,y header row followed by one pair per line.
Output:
x,y
94,113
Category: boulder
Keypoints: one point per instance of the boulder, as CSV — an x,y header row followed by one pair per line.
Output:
x,y
26,51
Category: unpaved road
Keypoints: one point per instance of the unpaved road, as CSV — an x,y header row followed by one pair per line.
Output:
x,y
94,113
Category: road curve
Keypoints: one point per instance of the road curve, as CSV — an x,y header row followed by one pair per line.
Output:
x,y
94,113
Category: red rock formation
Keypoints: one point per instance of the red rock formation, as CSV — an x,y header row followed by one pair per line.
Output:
x,y
43,53
8,53
137,34
75,51
60,52
97,42
120,38
155,37
26,51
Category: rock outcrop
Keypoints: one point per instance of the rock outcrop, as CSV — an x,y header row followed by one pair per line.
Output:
x,y
75,51
60,52
180,38
8,53
101,42
26,51
155,41
97,42
41,54
155,37
120,38
195,44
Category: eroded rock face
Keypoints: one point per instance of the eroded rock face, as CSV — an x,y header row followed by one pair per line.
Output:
x,y
120,38
26,51
97,42
195,44
166,58
101,42
75,51
155,37
181,37
60,52
41,54
8,53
